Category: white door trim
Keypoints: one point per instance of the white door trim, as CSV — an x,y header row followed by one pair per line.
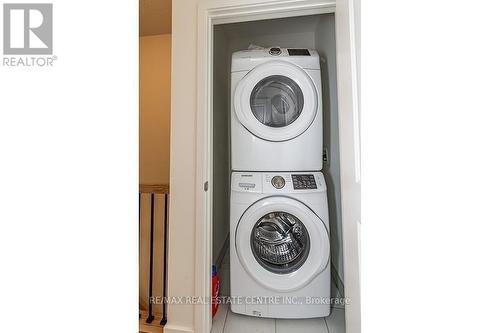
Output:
x,y
230,11
350,164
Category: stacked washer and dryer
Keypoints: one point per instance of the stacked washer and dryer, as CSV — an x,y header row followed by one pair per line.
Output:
x,y
279,227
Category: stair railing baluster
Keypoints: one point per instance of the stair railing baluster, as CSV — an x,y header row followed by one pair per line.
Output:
x,y
165,261
140,196
150,318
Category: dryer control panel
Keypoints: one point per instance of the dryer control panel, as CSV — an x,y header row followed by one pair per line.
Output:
x,y
246,60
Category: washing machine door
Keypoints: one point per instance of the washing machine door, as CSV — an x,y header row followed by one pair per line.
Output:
x,y
282,244
276,101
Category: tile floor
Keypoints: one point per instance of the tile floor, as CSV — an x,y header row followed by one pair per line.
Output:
x,y
227,322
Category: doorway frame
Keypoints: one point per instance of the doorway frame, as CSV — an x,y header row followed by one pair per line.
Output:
x,y
232,11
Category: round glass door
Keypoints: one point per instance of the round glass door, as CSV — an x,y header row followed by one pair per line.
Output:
x,y
278,237
280,242
276,101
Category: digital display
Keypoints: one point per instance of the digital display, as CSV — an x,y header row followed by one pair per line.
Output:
x,y
298,52
304,182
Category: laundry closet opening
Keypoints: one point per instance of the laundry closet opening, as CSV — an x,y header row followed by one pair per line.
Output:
x,y
314,32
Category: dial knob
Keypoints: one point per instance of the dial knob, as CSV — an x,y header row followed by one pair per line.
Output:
x,y
278,182
275,51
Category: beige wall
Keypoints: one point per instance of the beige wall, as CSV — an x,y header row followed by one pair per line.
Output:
x,y
154,115
181,260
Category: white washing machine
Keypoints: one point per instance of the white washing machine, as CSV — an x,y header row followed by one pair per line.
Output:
x,y
276,110
280,246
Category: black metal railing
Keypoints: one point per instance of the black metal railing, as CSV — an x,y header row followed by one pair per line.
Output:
x,y
155,192
165,262
150,318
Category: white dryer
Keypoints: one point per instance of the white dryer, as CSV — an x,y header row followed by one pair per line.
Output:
x,y
276,110
279,245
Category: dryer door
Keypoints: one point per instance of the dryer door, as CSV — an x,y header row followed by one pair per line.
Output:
x,y
276,101
282,244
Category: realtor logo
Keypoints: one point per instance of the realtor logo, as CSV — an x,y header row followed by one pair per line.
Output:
x,y
27,28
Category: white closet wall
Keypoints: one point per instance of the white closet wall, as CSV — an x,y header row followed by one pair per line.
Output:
x,y
325,45
221,148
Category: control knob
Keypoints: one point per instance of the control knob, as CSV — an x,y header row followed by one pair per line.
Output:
x,y
278,182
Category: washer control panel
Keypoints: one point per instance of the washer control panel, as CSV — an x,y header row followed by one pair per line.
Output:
x,y
304,182
277,182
